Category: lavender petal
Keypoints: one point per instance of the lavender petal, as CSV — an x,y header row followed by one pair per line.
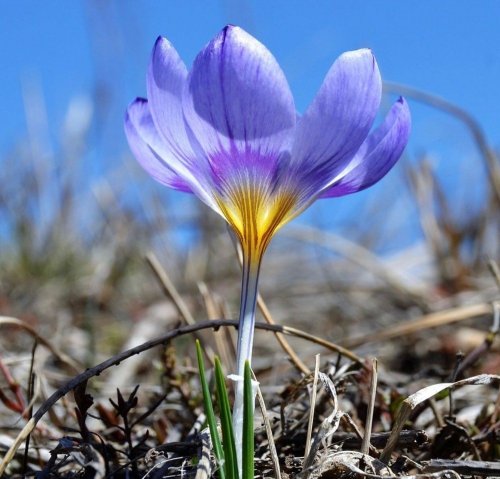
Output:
x,y
148,147
338,120
166,80
377,155
238,105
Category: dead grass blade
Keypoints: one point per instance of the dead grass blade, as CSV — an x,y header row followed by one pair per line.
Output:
x,y
365,445
313,406
294,358
427,321
169,288
328,427
423,395
269,432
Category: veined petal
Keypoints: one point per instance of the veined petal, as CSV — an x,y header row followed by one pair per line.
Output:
x,y
156,156
238,105
166,79
147,146
377,155
338,120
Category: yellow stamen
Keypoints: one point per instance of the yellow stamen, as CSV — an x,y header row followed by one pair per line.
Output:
x,y
255,215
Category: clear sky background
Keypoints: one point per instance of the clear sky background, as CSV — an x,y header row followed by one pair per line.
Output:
x,y
100,49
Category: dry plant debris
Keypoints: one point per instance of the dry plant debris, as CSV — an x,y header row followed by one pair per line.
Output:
x,y
435,431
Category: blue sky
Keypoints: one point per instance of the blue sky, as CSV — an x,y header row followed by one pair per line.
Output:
x,y
80,47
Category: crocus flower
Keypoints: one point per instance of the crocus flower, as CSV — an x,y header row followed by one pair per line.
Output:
x,y
228,132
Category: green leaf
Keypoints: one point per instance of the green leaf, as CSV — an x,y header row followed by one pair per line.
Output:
x,y
231,461
209,411
248,439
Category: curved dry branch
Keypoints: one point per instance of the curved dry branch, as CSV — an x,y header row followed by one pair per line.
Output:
x,y
117,359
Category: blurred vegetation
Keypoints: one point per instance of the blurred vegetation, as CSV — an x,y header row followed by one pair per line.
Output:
x,y
72,268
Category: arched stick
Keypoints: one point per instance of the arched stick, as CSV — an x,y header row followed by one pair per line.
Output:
x,y
115,360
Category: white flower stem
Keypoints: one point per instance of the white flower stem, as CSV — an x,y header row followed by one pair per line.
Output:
x,y
249,282
250,279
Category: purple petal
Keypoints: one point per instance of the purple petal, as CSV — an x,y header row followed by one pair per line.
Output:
x,y
339,118
157,158
238,104
148,147
377,155
166,80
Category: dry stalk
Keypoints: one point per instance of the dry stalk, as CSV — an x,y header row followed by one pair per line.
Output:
x,y
294,358
427,321
314,393
269,432
365,445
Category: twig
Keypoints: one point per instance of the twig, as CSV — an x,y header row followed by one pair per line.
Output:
x,y
189,329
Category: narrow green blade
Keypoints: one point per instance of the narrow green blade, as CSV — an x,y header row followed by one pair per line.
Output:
x,y
248,439
209,411
231,461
